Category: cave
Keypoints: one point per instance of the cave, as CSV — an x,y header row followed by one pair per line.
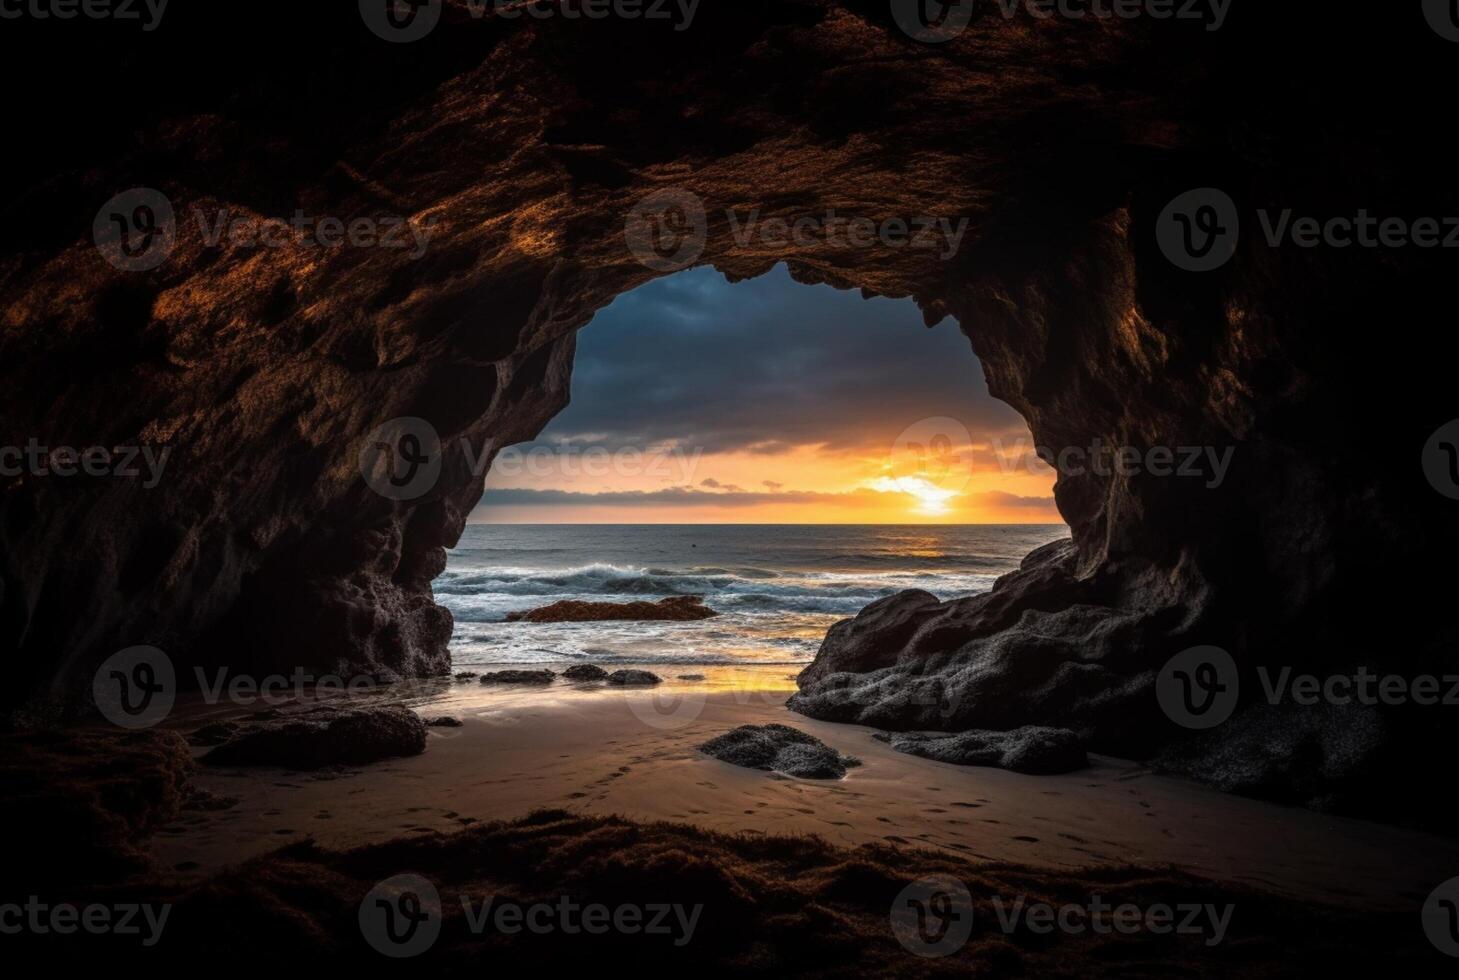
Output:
x,y
542,158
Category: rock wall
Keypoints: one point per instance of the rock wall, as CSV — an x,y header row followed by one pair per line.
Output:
x,y
524,145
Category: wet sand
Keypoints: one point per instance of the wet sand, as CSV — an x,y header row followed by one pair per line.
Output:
x,y
600,751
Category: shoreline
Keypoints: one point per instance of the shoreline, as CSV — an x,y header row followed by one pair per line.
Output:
x,y
597,752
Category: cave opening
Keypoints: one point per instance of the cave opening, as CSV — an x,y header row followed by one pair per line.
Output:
x,y
1288,514
781,454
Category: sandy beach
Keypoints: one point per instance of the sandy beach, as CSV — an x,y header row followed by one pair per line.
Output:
x,y
592,750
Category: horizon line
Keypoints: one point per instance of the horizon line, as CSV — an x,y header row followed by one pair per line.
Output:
x,y
766,524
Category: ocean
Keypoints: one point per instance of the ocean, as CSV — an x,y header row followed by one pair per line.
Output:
x,y
777,587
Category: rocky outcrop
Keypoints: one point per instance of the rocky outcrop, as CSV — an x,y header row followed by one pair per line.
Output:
x,y
348,737
269,373
874,638
1031,750
1044,647
585,672
779,748
1326,757
518,677
679,608
633,678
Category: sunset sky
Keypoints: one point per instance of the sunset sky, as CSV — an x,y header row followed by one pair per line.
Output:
x,y
695,400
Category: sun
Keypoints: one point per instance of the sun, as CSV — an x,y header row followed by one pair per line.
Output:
x,y
931,499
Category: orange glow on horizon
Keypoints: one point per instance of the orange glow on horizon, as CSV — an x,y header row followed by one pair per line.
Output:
x,y
795,485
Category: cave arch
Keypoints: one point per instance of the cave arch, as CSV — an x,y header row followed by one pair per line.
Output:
x,y
1060,140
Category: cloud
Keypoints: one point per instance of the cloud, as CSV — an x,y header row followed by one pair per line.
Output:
x,y
671,497
714,484
997,498
694,496
766,366
773,486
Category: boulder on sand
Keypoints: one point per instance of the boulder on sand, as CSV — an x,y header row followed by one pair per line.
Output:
x,y
779,748
634,678
348,737
1032,749
518,677
585,672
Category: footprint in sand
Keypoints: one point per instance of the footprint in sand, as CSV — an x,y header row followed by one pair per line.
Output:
x,y
895,839
970,806
1026,839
